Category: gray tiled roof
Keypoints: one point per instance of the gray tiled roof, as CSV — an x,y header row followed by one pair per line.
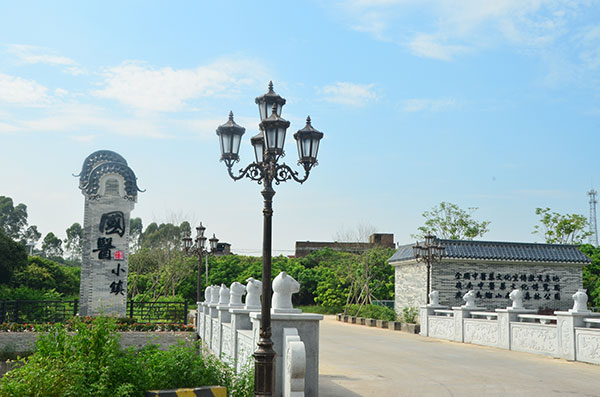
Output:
x,y
505,251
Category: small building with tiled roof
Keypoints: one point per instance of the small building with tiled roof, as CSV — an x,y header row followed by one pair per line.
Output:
x,y
548,274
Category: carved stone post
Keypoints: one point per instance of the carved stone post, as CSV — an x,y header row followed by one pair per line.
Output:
x,y
110,191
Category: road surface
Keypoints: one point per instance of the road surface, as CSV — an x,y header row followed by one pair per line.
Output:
x,y
356,360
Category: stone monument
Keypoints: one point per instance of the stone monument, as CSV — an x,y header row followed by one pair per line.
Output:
x,y
110,190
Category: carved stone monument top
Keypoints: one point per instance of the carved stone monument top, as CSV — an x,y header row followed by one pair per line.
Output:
x,y
516,296
237,290
284,286
223,295
580,299
469,297
254,290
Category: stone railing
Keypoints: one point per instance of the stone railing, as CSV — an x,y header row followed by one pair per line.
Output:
x,y
573,334
230,329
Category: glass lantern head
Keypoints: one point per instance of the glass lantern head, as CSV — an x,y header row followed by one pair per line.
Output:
x,y
258,143
230,136
266,101
213,242
274,128
308,140
200,230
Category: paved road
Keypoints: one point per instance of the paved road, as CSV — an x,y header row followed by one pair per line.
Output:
x,y
357,360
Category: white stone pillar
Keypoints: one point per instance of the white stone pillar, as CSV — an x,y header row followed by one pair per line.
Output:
x,y
505,317
307,325
424,312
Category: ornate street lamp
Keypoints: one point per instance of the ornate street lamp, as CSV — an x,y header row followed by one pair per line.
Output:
x,y
268,148
198,249
429,253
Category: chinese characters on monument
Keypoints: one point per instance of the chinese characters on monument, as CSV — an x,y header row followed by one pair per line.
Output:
x,y
498,285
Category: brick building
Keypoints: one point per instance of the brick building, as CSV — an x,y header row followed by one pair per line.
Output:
x,y
304,248
548,274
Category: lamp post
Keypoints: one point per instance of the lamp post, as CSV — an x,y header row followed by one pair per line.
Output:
x,y
198,249
268,149
431,251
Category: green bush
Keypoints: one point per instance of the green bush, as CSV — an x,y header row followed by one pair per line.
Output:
x,y
409,315
90,362
371,311
319,309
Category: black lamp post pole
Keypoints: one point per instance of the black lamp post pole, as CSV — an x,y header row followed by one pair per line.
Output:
x,y
429,252
199,285
264,381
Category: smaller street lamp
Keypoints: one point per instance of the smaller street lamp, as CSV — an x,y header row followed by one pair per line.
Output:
x,y
431,251
198,249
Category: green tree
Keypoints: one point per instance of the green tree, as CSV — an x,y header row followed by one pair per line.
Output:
x,y
561,229
135,231
31,237
74,241
52,246
13,220
45,275
12,257
449,221
591,274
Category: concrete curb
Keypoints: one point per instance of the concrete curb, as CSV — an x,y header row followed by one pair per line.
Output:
x,y
371,322
207,391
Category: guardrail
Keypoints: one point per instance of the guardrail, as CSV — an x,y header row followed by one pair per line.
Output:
x,y
55,311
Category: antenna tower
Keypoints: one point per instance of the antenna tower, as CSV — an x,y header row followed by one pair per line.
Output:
x,y
593,225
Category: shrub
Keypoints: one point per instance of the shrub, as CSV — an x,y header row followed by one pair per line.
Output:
x,y
409,315
90,362
371,311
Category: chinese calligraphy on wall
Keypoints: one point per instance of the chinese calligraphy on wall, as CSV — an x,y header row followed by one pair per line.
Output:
x,y
540,287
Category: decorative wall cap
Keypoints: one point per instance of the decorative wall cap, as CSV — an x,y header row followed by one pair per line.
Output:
x,y
500,251
101,163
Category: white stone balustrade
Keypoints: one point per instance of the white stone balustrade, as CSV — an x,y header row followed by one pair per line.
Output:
x,y
230,330
572,335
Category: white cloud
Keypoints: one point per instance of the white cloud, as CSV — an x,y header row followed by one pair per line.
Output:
x,y
28,54
443,29
431,46
8,128
17,90
144,87
346,93
432,105
588,41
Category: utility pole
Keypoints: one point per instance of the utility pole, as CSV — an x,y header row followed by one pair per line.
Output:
x,y
593,225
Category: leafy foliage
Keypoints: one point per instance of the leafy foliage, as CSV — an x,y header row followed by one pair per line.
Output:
x,y
13,219
52,246
12,257
449,221
409,314
74,241
90,362
44,274
591,274
561,229
371,311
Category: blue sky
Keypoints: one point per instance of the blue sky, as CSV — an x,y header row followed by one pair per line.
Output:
x,y
489,104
